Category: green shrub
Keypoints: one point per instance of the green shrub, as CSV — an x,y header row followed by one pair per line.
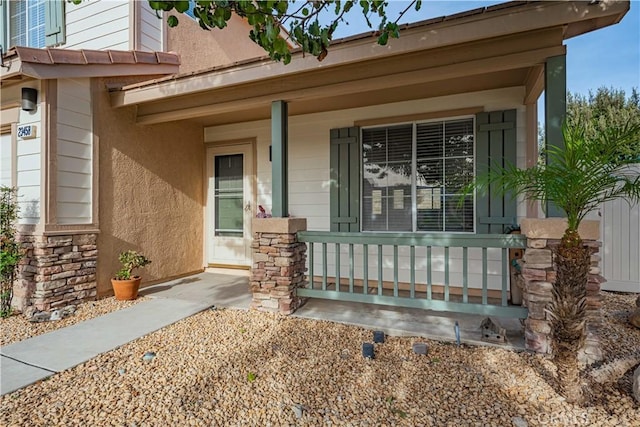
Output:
x,y
10,250
130,260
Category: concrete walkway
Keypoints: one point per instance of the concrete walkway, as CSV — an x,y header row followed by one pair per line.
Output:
x,y
34,359
28,361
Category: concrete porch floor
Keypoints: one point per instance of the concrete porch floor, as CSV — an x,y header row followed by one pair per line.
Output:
x,y
230,289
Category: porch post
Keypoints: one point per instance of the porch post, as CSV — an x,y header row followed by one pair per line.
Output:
x,y
555,108
279,162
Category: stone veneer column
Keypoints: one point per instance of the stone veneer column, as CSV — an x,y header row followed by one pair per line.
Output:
x,y
57,270
539,277
278,264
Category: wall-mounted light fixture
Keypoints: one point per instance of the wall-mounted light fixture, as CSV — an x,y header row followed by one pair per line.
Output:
x,y
29,99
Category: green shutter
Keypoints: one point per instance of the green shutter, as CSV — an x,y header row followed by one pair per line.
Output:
x,y
5,25
496,143
54,28
345,179
555,110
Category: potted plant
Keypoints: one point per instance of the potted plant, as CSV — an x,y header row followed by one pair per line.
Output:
x,y
125,286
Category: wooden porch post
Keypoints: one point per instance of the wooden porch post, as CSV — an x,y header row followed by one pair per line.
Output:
x,y
279,162
555,108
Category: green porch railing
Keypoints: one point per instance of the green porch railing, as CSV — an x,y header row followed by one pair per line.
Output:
x,y
407,294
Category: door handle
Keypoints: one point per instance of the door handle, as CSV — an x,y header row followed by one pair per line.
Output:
x,y
247,208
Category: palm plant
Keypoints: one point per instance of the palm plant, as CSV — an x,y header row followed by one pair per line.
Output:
x,y
591,168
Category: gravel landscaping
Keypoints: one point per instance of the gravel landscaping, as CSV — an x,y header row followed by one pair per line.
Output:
x,y
239,368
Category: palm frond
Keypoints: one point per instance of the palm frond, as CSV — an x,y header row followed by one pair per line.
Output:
x,y
578,177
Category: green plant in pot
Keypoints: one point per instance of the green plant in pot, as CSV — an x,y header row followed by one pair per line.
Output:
x,y
125,284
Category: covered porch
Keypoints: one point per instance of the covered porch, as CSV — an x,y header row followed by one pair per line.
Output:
x,y
304,125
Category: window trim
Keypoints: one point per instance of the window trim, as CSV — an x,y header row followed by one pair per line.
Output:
x,y
414,214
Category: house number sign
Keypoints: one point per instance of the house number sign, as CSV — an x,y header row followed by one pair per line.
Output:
x,y
27,131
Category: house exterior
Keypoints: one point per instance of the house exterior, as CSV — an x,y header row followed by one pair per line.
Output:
x,y
370,146
57,150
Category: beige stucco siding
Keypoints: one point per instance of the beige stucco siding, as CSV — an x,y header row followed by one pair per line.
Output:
x,y
309,169
150,192
200,49
74,152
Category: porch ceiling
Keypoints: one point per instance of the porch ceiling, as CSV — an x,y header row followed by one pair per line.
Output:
x,y
479,82
504,47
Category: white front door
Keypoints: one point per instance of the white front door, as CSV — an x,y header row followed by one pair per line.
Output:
x,y
230,204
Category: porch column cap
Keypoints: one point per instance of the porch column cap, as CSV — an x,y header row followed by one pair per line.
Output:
x,y
279,225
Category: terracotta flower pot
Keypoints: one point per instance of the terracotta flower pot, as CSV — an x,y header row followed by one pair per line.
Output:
x,y
125,290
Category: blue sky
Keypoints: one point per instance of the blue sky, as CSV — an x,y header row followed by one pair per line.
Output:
x,y
607,57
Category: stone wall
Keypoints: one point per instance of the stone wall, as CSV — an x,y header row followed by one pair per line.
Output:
x,y
539,277
57,270
278,264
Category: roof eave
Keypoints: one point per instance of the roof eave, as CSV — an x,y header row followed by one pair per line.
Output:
x,y
445,32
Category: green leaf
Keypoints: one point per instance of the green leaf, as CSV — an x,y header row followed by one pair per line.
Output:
x,y
181,6
251,377
383,39
314,28
347,6
280,45
172,21
364,4
324,35
282,7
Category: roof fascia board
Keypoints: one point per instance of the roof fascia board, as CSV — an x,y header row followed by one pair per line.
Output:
x,y
529,17
11,70
386,66
505,62
56,71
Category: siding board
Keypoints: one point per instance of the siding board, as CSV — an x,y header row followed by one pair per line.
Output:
x,y
74,153
620,235
151,28
101,24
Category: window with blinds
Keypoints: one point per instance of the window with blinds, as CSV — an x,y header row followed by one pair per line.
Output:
x,y
413,175
27,23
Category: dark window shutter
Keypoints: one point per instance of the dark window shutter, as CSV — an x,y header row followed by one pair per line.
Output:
x,y
496,144
54,27
345,179
4,21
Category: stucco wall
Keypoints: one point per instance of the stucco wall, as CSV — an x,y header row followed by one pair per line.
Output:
x,y
150,192
201,49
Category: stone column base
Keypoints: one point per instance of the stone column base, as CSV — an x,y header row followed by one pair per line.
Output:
x,y
57,270
279,264
539,277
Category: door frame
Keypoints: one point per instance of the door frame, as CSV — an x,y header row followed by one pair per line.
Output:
x,y
212,149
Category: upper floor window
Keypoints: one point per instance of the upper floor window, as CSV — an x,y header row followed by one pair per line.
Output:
x,y
32,23
26,23
413,175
